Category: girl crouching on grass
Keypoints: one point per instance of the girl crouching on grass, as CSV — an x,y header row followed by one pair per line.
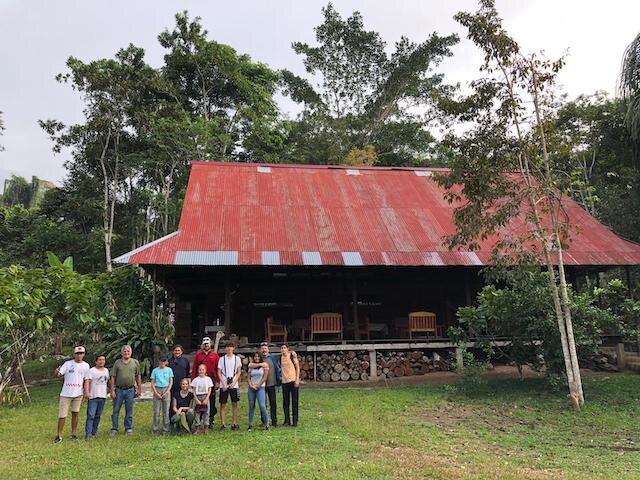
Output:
x,y
201,386
258,371
182,408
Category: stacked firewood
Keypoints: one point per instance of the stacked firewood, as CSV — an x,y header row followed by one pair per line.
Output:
x,y
407,363
599,361
337,367
354,365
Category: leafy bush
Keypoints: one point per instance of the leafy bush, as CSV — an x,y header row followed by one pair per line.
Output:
x,y
517,308
123,316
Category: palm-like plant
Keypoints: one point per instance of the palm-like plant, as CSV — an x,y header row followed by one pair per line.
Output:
x,y
629,86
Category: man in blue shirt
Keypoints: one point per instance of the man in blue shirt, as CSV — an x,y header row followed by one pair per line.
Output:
x,y
180,367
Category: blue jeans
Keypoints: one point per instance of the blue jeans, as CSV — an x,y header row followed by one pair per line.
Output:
x,y
125,396
94,411
260,396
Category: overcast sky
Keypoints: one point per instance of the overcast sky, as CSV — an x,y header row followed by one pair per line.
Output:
x,y
37,36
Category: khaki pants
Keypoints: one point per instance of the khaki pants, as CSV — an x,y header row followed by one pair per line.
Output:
x,y
66,402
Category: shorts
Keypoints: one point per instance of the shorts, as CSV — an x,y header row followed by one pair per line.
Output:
x,y
233,392
66,402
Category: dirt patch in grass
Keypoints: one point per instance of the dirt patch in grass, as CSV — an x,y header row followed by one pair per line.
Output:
x,y
416,463
451,415
413,463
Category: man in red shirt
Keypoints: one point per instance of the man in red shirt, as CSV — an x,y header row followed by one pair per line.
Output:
x,y
209,358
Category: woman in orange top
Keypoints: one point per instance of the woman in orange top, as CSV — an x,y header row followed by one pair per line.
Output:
x,y
290,384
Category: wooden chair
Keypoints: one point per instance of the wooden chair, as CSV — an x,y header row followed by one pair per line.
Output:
x,y
422,322
301,328
363,327
275,330
326,323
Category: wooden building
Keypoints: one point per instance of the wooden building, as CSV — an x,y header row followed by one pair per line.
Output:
x,y
289,241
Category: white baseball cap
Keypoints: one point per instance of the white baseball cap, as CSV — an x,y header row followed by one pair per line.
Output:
x,y
78,349
206,340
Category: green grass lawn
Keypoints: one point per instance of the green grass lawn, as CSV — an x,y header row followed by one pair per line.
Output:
x,y
514,430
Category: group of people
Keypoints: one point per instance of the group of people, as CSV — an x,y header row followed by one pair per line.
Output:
x,y
184,395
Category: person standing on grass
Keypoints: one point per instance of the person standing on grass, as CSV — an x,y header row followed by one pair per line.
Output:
x,y
229,368
290,384
126,385
72,391
202,387
182,408
273,380
209,358
95,391
161,383
256,378
181,368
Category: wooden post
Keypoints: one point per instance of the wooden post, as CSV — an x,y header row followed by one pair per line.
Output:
x,y
459,358
354,299
621,356
153,303
467,288
373,365
227,304
315,364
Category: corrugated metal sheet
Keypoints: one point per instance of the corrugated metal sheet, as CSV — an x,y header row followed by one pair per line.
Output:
x,y
202,257
248,214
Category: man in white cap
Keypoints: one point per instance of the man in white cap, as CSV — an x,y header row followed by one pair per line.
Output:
x,y
74,372
209,358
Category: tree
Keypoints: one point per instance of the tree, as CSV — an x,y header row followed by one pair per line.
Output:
x,y
230,92
594,151
502,174
365,97
32,302
629,87
515,305
114,91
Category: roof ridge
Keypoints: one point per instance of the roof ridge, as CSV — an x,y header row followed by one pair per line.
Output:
x,y
318,167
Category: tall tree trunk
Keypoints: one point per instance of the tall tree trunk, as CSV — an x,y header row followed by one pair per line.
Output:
x,y
105,203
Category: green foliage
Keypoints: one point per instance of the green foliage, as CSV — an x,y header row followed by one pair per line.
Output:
x,y
595,153
123,316
365,96
629,87
516,307
34,302
615,298
26,236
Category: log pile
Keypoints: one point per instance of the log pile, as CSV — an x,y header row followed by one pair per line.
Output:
x,y
339,366
407,363
354,365
600,361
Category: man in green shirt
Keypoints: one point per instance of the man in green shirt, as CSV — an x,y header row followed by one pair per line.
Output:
x,y
126,385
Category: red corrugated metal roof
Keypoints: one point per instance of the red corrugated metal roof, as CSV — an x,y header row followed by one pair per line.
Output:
x,y
246,214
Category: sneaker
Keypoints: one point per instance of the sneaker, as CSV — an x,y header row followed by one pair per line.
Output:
x,y
57,439
87,438
250,429
113,432
266,426
196,431
294,424
206,430
73,437
286,424
128,432
223,427
235,427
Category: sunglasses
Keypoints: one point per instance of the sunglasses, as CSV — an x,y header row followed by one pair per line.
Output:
x,y
78,353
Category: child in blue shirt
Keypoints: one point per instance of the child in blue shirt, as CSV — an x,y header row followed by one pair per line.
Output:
x,y
161,383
